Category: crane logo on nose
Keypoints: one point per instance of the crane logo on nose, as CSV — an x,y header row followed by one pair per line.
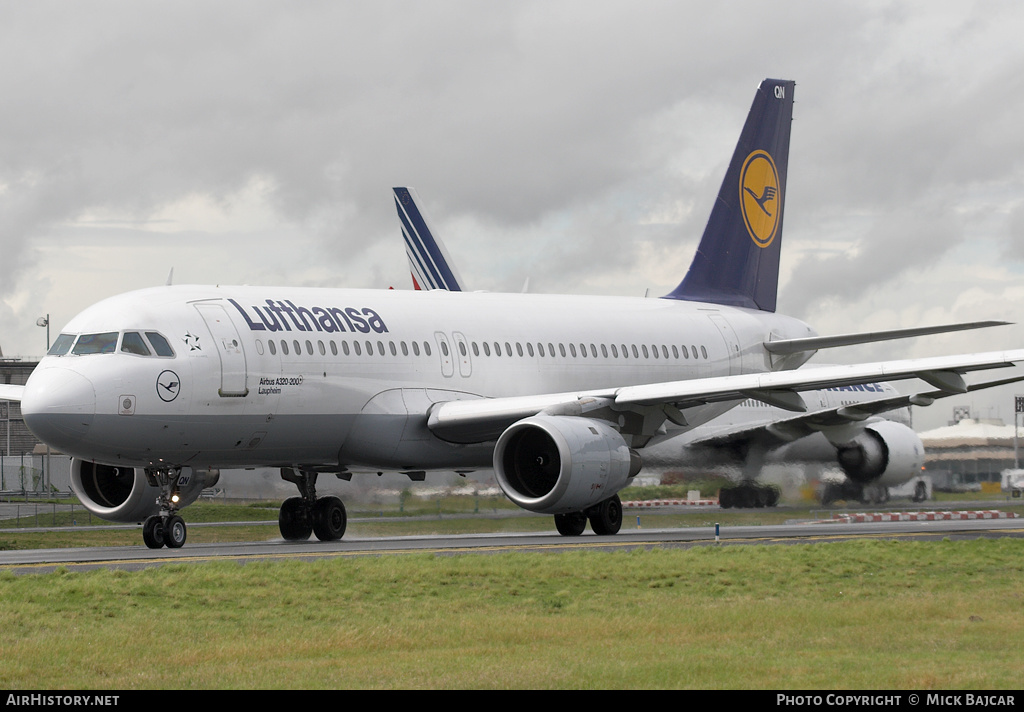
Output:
x,y
167,386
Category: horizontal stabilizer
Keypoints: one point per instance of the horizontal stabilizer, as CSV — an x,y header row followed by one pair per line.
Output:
x,y
11,392
813,343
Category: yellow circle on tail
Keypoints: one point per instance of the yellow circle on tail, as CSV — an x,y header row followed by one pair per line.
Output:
x,y
760,197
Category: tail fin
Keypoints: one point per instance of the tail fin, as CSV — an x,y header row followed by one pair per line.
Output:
x,y
429,262
737,261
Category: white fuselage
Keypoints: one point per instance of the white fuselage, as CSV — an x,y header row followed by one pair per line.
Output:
x,y
336,377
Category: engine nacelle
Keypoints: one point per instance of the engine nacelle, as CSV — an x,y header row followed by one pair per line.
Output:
x,y
124,494
885,453
558,464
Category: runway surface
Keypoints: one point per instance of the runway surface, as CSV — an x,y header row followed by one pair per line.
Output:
x,y
138,557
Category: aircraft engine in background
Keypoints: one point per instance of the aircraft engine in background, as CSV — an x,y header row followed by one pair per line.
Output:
x,y
885,453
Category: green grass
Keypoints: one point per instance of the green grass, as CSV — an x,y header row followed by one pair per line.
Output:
x,y
859,615
872,614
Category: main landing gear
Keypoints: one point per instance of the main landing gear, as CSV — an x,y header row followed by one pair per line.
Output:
x,y
308,514
851,491
605,519
166,528
748,495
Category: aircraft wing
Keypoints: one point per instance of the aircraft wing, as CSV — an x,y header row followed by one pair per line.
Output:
x,y
780,431
479,420
11,392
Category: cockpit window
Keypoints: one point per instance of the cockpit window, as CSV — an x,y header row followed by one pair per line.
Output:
x,y
96,343
133,343
61,345
160,344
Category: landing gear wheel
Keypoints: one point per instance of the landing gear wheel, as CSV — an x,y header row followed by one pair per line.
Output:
x,y
157,529
294,520
725,498
153,532
174,532
329,519
745,497
606,518
571,524
921,492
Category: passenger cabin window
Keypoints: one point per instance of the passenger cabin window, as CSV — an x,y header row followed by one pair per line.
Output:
x,y
61,345
104,343
133,343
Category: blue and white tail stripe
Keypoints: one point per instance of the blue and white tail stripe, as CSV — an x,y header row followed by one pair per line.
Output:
x,y
429,262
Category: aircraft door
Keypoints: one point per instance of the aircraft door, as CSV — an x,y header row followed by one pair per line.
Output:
x,y
444,350
732,344
462,348
229,350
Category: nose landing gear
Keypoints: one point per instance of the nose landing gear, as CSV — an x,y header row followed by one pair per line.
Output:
x,y
166,528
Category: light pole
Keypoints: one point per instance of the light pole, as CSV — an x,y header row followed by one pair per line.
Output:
x,y
1018,408
45,321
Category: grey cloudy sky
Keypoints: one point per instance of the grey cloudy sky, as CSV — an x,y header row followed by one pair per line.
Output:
x,y
577,144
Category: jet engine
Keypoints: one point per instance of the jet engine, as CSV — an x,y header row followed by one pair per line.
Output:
x,y
559,464
124,494
885,453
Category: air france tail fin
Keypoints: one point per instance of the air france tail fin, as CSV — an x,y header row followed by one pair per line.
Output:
x,y
737,261
429,262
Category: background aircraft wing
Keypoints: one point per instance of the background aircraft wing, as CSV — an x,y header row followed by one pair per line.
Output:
x,y
783,430
642,410
781,388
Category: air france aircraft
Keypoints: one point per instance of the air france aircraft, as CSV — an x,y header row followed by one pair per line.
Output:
x,y
151,391
864,429
430,265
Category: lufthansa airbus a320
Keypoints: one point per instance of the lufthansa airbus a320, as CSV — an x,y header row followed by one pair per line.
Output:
x,y
151,392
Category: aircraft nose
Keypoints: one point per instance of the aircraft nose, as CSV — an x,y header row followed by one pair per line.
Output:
x,y
58,406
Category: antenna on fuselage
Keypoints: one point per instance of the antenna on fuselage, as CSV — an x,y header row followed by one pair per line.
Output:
x,y
170,277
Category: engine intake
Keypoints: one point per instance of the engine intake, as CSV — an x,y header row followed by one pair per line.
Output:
x,y
124,494
559,464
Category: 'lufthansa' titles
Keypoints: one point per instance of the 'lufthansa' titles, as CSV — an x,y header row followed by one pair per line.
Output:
x,y
283,315
760,201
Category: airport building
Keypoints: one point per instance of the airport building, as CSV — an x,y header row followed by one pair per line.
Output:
x,y
26,465
970,452
15,438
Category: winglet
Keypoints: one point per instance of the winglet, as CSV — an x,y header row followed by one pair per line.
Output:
x,y
429,262
737,261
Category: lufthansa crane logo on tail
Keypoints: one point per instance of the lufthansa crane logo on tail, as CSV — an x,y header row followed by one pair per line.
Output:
x,y
760,201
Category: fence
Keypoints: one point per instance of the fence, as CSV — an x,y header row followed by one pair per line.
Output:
x,y
37,474
16,515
